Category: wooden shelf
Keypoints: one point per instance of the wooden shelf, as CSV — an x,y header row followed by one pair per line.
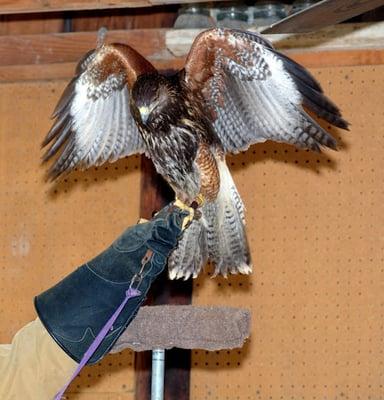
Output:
x,y
37,6
53,56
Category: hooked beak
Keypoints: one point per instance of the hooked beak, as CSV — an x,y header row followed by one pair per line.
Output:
x,y
144,113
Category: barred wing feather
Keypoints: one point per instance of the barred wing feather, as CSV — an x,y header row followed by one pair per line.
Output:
x,y
254,93
93,123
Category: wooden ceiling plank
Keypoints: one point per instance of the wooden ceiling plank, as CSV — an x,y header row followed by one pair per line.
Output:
x,y
167,44
54,56
62,71
34,6
69,47
55,71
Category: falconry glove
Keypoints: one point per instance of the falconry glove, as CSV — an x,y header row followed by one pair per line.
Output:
x,y
76,309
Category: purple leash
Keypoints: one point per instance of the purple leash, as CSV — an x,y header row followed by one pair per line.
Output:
x,y
130,293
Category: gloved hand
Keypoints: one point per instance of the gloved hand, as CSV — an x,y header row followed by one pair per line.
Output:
x,y
75,310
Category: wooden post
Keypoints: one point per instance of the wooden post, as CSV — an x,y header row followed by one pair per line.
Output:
x,y
155,194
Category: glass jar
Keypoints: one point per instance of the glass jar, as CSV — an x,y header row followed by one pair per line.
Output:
x,y
299,5
234,16
267,12
194,16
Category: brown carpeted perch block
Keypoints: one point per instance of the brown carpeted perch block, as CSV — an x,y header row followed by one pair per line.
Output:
x,y
186,327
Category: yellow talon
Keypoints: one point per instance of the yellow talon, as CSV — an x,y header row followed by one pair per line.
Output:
x,y
178,203
200,199
188,219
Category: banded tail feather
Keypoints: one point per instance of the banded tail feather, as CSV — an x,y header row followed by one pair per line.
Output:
x,y
219,235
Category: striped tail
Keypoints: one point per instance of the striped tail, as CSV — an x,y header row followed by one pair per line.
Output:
x,y
219,235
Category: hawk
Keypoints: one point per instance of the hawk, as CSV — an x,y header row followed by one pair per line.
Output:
x,y
234,90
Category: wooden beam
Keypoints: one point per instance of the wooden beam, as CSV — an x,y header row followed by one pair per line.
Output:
x,y
65,71
69,47
337,37
322,59
155,193
43,72
165,44
26,24
53,56
34,6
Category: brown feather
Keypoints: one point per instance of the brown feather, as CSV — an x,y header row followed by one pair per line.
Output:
x,y
104,74
200,65
209,173
204,62
243,83
120,59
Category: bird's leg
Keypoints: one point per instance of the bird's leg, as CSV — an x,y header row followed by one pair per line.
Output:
x,y
198,201
180,204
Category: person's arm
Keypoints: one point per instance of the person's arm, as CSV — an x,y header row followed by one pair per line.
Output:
x,y
33,367
45,353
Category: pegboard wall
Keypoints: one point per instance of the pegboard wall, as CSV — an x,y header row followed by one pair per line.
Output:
x,y
50,229
316,229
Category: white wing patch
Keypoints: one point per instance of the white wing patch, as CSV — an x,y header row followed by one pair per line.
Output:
x,y
282,82
262,102
100,125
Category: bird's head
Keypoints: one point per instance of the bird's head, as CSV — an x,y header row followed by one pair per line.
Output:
x,y
151,94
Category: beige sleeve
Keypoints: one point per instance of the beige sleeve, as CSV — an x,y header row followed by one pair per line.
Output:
x,y
33,367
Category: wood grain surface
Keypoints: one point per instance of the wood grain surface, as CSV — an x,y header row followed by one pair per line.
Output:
x,y
33,6
155,193
54,56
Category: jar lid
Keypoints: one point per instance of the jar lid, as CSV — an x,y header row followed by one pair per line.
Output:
x,y
232,13
269,8
299,5
198,9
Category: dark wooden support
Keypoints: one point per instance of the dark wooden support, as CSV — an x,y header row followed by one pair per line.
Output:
x,y
34,6
155,193
49,56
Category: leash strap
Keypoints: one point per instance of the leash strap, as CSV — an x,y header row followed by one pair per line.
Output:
x,y
130,293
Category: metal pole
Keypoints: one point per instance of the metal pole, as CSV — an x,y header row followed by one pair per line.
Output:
x,y
158,363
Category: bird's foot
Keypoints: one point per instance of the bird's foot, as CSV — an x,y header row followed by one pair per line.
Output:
x,y
180,204
187,220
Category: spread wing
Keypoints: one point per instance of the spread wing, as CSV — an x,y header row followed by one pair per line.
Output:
x,y
93,123
255,93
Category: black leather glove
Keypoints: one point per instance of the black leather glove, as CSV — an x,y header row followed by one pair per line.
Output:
x,y
75,310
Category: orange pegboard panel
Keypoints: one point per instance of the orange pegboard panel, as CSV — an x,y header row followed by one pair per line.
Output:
x,y
316,229
50,229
